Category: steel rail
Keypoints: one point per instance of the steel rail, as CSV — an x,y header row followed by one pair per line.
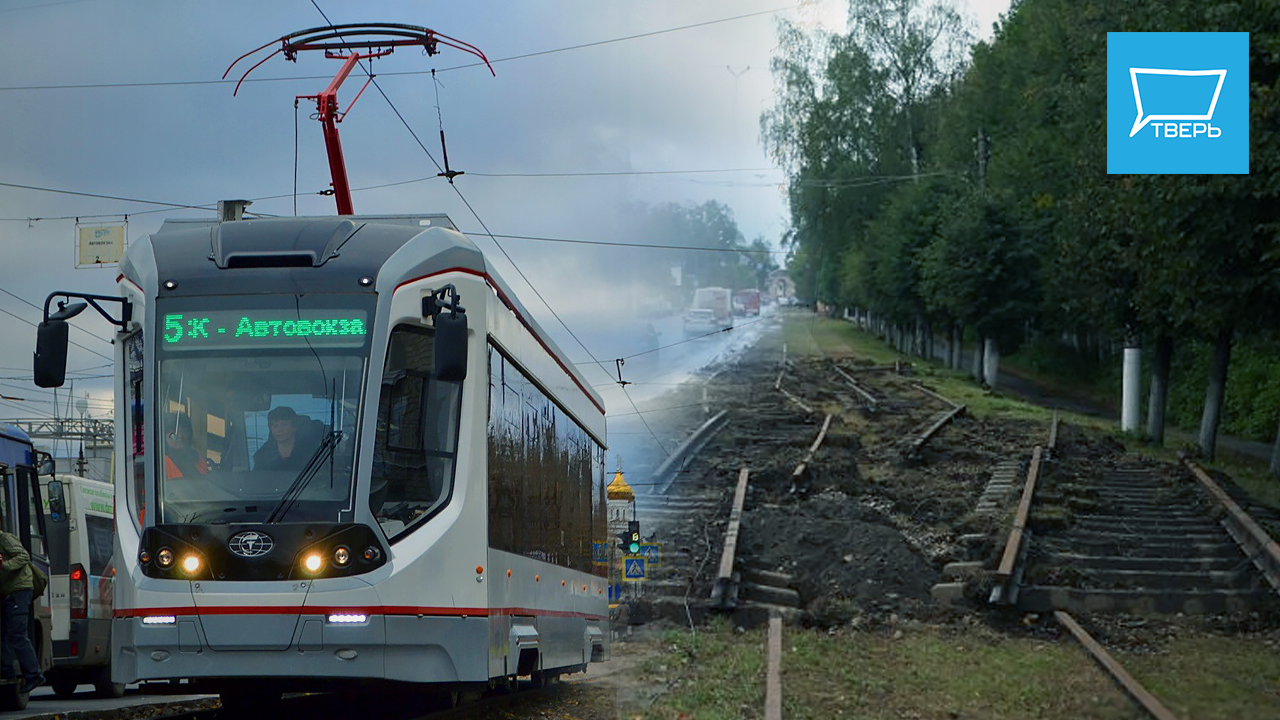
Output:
x,y
725,591
777,385
1013,546
912,448
935,394
808,456
666,473
1006,590
773,672
872,401
796,400
1135,690
1257,545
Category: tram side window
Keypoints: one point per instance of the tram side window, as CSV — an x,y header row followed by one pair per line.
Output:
x,y
417,434
541,467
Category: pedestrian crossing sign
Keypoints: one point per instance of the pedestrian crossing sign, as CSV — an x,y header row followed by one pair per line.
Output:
x,y
633,569
652,553
600,553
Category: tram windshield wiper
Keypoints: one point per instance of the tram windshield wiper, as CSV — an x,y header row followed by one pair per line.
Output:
x,y
318,458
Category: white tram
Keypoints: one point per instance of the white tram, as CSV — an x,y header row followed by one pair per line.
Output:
x,y
347,453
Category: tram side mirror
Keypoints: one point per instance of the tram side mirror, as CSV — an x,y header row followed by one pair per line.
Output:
x,y
51,344
451,347
51,353
57,503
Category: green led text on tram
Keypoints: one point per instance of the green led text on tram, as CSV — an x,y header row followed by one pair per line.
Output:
x,y
227,328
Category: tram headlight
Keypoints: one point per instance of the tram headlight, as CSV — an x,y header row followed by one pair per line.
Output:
x,y
341,556
313,562
164,558
191,564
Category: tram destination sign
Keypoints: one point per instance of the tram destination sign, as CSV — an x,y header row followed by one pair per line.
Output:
x,y
231,329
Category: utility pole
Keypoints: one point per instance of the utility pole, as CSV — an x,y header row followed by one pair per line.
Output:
x,y
82,405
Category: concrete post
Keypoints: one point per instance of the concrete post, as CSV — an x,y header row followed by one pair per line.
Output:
x,y
990,362
1131,393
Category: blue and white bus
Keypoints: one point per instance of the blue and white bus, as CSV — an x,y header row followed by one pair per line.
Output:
x,y
20,514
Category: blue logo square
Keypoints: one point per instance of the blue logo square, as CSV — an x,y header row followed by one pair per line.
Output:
x,y
1178,103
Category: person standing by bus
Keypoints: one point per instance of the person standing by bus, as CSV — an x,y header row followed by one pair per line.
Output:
x,y
15,613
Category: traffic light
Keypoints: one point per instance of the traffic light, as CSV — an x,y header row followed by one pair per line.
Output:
x,y
633,537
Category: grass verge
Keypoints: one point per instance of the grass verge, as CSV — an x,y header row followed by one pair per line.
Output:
x,y
921,671
1210,677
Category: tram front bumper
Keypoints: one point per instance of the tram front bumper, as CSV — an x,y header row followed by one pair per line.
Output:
x,y
403,648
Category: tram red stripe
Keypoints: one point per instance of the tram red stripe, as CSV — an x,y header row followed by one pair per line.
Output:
x,y
369,610
543,613
511,306
294,610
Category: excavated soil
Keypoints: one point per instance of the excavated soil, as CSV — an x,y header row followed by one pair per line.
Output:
x,y
863,530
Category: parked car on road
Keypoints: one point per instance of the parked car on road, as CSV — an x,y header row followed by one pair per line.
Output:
x,y
700,322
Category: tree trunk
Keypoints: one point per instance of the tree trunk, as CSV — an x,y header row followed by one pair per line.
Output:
x,y
1275,455
1159,397
976,368
1215,394
954,348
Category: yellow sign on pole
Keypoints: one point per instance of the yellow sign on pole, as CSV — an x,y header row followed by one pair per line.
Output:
x,y
100,244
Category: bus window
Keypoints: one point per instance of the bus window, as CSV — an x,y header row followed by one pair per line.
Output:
x,y
99,535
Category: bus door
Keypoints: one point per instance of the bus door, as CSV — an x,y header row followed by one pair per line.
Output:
x,y
23,516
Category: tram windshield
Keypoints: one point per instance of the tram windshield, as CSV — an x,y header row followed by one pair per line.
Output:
x,y
259,408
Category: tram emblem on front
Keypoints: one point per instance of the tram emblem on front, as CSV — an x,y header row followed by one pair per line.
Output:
x,y
250,544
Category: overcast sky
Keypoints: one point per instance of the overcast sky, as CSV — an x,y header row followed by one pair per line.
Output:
x,y
154,124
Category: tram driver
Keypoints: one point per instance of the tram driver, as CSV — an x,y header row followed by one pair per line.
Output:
x,y
291,444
